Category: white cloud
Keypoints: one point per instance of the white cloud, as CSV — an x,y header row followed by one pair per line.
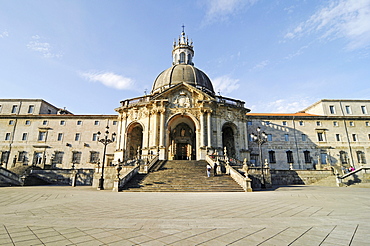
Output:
x,y
219,10
288,105
225,84
43,47
109,79
4,34
349,19
261,65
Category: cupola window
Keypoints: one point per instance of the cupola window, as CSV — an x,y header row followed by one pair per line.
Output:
x,y
182,57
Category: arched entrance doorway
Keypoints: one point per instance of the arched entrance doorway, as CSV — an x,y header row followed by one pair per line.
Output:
x,y
182,144
134,140
228,139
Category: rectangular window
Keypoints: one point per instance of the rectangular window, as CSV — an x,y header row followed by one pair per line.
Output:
x,y
354,137
289,156
304,137
76,157
272,157
114,122
307,156
351,123
286,137
42,136
367,123
45,122
348,110
22,156
285,123
343,156
96,123
79,122
301,123
332,109
58,157
269,137
7,136
1,108
31,108
364,109
361,157
37,158
14,109
62,122
28,122
95,137
320,136
5,157
249,123
335,123
318,123
337,137
94,157
11,122
24,136
267,123
323,158
60,136
77,137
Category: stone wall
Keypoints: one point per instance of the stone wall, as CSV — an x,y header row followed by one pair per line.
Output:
x,y
298,177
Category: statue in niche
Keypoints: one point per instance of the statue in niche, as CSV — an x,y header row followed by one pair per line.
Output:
x,y
182,133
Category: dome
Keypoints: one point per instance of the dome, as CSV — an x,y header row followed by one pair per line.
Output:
x,y
182,73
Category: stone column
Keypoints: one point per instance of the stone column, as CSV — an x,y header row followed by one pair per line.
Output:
x,y
245,134
162,130
209,128
202,129
154,140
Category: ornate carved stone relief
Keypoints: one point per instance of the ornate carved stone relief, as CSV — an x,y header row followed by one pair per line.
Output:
x,y
181,100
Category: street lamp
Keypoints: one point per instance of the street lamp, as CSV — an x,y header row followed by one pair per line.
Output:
x,y
260,138
105,141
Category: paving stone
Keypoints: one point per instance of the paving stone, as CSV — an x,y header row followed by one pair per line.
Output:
x,y
297,215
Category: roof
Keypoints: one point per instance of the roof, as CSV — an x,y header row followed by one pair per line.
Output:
x,y
281,114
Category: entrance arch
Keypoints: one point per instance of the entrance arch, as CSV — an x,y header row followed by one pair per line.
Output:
x,y
182,140
228,139
134,140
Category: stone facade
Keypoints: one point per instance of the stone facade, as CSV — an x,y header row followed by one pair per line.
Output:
x,y
49,137
315,138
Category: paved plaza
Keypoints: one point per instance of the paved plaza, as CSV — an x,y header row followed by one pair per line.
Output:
x,y
297,215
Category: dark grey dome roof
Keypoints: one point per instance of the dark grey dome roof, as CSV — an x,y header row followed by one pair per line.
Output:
x,y
182,73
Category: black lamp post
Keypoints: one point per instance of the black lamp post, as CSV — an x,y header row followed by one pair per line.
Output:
x,y
105,141
260,138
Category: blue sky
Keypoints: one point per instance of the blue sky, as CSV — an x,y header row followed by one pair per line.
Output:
x,y
277,56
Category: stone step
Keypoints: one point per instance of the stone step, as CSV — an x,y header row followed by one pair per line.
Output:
x,y
182,176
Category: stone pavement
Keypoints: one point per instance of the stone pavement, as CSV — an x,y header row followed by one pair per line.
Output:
x,y
297,215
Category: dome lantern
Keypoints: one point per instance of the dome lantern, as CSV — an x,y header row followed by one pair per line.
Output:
x,y
182,69
183,52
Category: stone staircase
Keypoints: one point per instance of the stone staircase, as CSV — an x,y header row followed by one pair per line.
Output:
x,y
182,176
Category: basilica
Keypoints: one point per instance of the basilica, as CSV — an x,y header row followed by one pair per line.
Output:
x,y
182,118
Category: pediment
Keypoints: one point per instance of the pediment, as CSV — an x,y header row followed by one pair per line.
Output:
x,y
183,94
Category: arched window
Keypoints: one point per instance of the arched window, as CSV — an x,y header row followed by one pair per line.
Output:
x,y
182,57
189,59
